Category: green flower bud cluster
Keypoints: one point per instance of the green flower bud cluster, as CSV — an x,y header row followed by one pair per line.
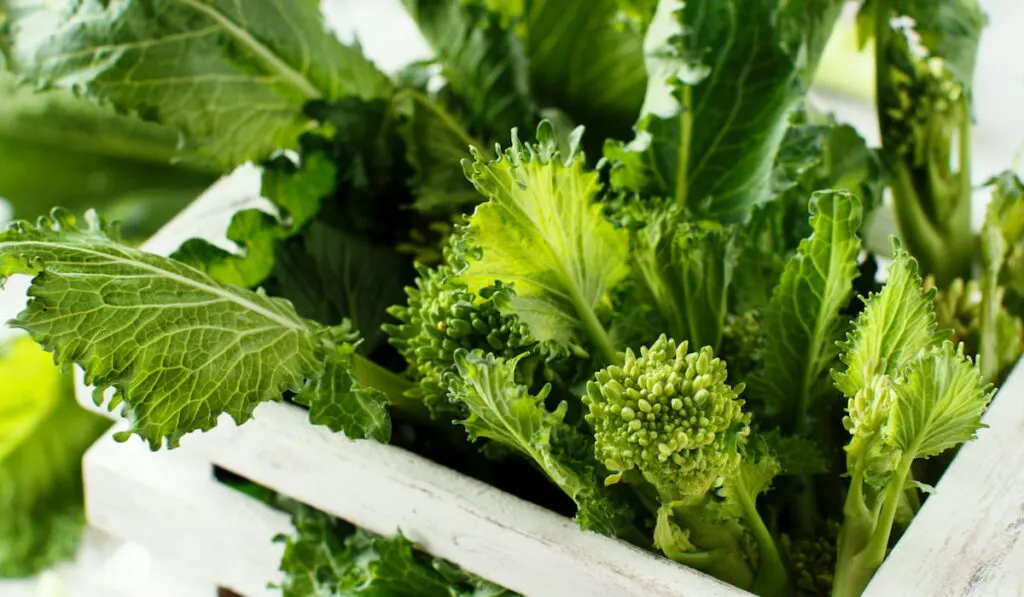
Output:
x,y
442,317
813,561
670,415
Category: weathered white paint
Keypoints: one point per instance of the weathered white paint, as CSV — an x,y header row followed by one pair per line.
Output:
x,y
169,503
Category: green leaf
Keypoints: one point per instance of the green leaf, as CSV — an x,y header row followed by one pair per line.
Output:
x,y
802,322
337,401
896,324
795,455
505,412
330,275
232,76
687,269
939,398
327,557
483,62
43,436
179,347
102,156
723,79
541,232
255,232
586,64
818,153
298,191
436,143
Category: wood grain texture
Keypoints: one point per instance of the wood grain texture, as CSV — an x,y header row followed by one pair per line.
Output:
x,y
169,503
491,533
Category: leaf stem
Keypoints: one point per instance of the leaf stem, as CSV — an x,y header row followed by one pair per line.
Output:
x,y
772,576
394,386
592,326
683,164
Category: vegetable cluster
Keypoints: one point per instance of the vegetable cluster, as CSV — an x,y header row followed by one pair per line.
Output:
x,y
671,317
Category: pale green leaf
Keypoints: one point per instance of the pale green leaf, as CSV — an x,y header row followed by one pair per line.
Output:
x,y
938,402
179,347
724,76
500,409
802,322
43,436
541,232
505,412
232,75
897,323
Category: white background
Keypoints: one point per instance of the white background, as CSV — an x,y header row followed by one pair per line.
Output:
x,y
390,38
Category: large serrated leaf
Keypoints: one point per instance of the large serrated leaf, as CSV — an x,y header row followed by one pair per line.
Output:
x,y
233,76
723,77
896,324
542,232
179,347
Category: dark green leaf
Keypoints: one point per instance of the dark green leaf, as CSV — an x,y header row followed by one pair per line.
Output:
x,y
723,79
233,76
331,275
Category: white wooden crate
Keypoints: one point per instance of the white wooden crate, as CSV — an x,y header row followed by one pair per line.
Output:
x,y
965,541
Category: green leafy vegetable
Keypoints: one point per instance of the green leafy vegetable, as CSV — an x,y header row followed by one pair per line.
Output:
x,y
232,76
330,558
542,232
923,76
802,321
911,395
178,329
43,435
643,341
723,78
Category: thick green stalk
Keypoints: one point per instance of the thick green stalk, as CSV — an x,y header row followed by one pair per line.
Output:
x,y
864,538
932,203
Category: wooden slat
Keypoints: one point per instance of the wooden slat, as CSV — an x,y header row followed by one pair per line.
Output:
x,y
170,503
491,533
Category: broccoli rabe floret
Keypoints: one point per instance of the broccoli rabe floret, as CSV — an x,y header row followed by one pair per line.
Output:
x,y
668,423
442,317
669,415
